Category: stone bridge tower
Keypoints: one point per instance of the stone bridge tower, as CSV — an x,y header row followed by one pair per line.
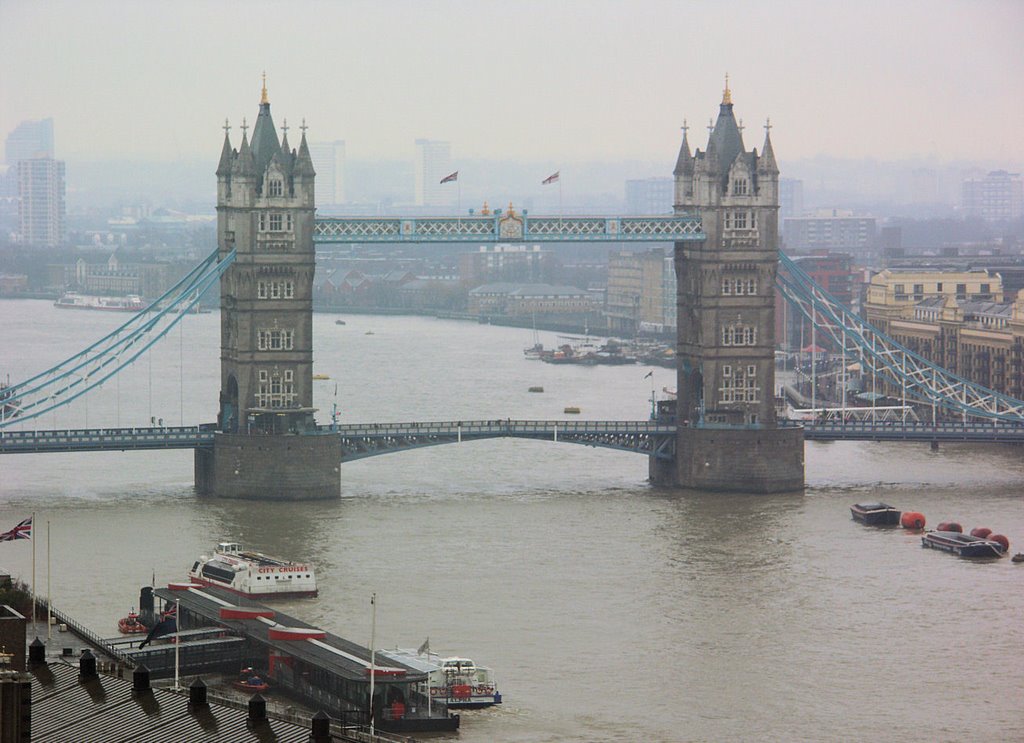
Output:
x,y
267,445
727,437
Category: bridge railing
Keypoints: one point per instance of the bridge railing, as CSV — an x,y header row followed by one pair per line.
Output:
x,y
496,425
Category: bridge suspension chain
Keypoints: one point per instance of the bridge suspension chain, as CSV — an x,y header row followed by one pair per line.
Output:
x,y
920,378
91,367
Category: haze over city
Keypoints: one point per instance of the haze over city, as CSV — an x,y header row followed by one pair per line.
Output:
x,y
564,81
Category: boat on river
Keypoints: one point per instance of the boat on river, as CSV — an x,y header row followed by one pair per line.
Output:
x,y
130,625
74,301
875,514
253,574
963,545
455,681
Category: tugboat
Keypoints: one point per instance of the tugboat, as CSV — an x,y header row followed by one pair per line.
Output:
x,y
248,680
130,625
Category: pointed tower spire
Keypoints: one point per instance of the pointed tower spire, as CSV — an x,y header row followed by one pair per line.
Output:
x,y
244,163
286,156
766,163
303,161
226,156
684,163
727,94
263,96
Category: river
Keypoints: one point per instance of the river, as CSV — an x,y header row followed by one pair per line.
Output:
x,y
608,609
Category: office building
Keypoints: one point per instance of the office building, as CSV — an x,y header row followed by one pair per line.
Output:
x,y
29,140
434,162
41,208
791,198
997,197
649,196
830,229
329,163
635,300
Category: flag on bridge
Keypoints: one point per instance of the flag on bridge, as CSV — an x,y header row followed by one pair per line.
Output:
x,y
22,531
451,177
553,178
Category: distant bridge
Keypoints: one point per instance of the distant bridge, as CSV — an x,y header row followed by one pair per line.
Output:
x,y
361,440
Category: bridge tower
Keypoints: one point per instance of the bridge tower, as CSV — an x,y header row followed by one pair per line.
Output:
x,y
728,437
266,444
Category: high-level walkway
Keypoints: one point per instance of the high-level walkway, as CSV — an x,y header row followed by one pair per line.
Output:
x,y
361,440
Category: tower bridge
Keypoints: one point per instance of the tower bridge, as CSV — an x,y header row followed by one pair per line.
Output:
x,y
723,434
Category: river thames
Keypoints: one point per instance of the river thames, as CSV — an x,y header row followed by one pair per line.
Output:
x,y
609,610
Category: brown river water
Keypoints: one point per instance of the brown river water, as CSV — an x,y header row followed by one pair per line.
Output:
x,y
609,610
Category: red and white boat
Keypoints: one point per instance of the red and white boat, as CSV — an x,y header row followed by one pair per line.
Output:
x,y
253,574
130,625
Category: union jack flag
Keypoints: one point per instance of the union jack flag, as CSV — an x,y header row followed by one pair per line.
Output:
x,y
22,531
553,178
451,177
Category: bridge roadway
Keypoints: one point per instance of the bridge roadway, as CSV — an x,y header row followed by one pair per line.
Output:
x,y
360,440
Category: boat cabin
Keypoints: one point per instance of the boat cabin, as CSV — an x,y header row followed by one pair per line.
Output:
x,y
231,548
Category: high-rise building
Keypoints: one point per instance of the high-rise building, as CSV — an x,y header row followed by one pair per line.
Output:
x,y
791,198
41,209
29,140
831,229
329,161
433,162
999,196
633,301
649,196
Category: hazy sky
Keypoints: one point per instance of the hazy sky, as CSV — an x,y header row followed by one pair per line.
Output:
x,y
542,80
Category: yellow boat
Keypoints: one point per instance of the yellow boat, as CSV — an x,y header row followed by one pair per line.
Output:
x,y
321,376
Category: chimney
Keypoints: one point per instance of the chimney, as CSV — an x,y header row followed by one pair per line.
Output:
x,y
87,666
197,694
257,708
37,653
320,731
140,679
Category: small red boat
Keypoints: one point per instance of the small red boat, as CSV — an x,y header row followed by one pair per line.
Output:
x,y
250,681
130,625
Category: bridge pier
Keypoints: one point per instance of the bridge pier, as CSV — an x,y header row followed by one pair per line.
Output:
x,y
768,460
269,467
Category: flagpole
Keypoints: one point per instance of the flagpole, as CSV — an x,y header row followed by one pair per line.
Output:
x,y
48,614
177,643
373,641
33,571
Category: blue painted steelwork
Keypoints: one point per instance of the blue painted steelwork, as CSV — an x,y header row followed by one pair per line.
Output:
x,y
918,378
508,227
361,440
77,375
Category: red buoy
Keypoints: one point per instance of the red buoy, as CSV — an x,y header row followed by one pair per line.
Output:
x,y
912,520
1002,540
950,526
981,531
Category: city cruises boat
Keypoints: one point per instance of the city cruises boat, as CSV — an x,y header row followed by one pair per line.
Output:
x,y
73,301
130,625
253,574
457,682
963,545
875,514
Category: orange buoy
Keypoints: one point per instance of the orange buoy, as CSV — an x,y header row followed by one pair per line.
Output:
x,y
1002,540
950,526
912,520
981,531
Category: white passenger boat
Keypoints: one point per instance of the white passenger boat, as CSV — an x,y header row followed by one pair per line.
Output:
x,y
253,574
457,682
73,301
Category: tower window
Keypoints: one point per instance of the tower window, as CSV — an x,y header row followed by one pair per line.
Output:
x,y
276,188
275,222
740,187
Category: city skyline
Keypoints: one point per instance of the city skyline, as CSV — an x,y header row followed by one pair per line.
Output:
x,y
619,91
